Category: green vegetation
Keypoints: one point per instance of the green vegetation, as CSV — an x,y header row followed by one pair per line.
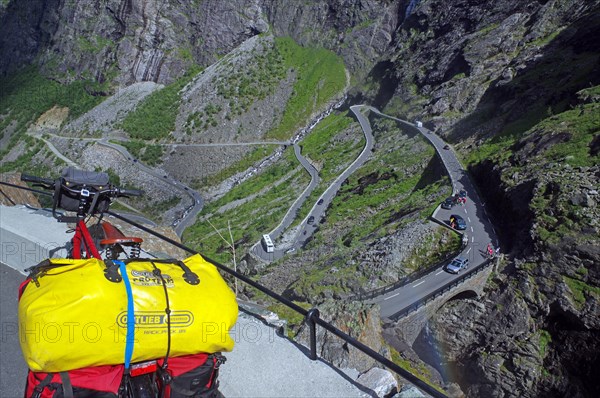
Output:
x,y
24,163
294,319
148,154
421,371
394,188
320,75
159,208
247,161
263,201
155,117
330,274
254,82
487,29
542,41
323,144
544,339
579,289
332,146
94,46
27,94
382,190
583,124
433,248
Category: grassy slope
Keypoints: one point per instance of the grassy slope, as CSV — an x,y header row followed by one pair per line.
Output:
x,y
154,118
363,212
320,75
25,96
269,195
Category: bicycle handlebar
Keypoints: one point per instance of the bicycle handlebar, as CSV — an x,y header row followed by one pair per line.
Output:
x,y
129,192
112,191
46,182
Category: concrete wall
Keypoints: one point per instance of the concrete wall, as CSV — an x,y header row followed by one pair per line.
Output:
x,y
27,236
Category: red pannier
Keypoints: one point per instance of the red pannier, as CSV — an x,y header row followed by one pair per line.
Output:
x,y
193,376
96,382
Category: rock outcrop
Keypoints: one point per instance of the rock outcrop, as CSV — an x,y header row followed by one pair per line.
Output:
x,y
124,40
482,74
10,196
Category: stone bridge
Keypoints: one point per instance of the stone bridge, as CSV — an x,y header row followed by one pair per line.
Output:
x,y
408,323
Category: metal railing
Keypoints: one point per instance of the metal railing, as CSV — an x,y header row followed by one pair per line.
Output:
x,y
440,291
311,316
404,280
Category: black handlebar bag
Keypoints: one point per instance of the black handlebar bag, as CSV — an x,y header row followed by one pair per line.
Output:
x,y
74,186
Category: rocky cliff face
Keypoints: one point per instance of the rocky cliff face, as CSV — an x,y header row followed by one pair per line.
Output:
x,y
453,60
124,41
486,74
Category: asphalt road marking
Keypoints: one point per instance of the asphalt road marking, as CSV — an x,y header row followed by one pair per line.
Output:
x,y
469,250
393,295
418,283
443,270
469,218
471,229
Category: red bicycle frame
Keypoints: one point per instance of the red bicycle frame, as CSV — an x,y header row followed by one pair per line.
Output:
x,y
82,236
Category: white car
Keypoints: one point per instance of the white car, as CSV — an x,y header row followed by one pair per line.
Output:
x,y
458,264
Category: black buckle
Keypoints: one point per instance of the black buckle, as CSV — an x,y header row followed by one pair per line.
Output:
x,y
112,272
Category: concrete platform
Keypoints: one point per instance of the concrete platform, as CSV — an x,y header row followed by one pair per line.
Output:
x,y
262,363
27,236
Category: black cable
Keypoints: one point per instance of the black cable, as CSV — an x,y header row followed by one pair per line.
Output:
x,y
7,197
25,188
326,325
157,272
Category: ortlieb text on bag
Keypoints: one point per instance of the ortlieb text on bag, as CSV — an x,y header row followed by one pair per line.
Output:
x,y
75,313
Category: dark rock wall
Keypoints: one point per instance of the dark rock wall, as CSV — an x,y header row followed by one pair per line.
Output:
x,y
153,40
453,58
124,40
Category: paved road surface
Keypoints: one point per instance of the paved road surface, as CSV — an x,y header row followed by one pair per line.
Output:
x,y
479,230
317,212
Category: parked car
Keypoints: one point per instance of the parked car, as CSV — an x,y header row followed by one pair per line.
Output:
x,y
458,264
311,219
462,193
320,202
290,250
448,203
457,222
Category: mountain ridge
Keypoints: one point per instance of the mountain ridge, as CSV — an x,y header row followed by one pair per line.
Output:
x,y
513,86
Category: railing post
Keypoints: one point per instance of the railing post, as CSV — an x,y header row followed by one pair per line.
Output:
x,y
312,328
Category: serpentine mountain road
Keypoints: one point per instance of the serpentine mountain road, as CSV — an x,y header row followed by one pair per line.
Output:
x,y
189,213
479,230
317,212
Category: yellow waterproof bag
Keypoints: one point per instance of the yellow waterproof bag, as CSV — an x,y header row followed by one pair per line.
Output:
x,y
80,313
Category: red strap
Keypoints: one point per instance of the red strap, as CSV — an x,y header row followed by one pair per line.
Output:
x,y
22,287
